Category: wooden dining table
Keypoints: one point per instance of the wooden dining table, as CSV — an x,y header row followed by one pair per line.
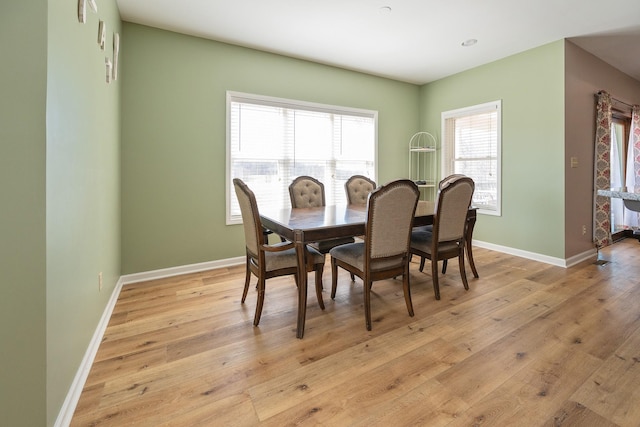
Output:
x,y
306,225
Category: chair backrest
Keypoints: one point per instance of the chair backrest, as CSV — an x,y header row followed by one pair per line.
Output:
x,y
447,180
390,212
250,216
358,188
306,192
452,207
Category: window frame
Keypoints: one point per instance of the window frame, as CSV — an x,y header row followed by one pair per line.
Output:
x,y
234,96
447,160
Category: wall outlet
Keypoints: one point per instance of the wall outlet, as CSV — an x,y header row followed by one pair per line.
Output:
x,y
584,230
100,281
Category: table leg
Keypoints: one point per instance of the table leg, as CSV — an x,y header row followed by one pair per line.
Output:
x,y
471,222
301,252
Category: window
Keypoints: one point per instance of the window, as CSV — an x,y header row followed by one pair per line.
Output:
x,y
271,141
471,146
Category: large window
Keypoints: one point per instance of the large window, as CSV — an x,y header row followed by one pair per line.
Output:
x,y
471,146
271,141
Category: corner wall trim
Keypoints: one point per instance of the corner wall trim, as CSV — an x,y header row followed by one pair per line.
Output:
x,y
73,396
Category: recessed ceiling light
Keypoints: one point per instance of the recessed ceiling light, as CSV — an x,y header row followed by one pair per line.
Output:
x,y
469,42
385,9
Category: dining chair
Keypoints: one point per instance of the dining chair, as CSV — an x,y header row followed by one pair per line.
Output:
x,y
308,192
447,238
385,251
266,261
429,228
357,189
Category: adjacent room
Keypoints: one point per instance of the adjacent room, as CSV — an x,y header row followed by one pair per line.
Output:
x,y
124,248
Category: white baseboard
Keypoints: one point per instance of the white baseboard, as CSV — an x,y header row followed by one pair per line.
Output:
x,y
560,262
71,401
182,269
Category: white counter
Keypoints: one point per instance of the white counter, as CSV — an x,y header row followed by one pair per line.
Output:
x,y
631,198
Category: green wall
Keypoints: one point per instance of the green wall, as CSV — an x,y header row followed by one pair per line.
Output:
x,y
23,77
531,87
174,146
59,186
83,188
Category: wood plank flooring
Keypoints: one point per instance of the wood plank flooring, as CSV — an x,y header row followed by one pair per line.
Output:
x,y
528,345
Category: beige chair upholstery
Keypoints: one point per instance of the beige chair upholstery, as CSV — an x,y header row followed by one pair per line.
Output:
x,y
447,238
385,252
357,189
308,192
446,181
266,261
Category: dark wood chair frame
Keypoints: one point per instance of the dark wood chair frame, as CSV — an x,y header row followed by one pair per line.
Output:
x,y
368,275
458,249
255,258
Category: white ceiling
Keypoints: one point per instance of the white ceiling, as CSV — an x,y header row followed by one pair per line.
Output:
x,y
417,41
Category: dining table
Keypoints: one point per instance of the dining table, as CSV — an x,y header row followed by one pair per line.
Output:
x,y
306,225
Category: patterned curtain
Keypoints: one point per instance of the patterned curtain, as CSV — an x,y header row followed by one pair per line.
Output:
x,y
632,218
602,171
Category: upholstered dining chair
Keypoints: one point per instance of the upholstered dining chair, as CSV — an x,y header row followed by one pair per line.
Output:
x,y
308,192
446,240
357,189
429,228
385,251
266,261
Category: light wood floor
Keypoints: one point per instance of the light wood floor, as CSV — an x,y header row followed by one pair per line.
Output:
x,y
528,345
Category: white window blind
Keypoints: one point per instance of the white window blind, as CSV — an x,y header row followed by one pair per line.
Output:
x,y
472,141
271,141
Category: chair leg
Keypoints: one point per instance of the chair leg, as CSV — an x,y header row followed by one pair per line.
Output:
x,y
260,302
444,266
319,287
463,272
421,264
367,304
353,277
246,282
334,278
470,257
434,277
407,291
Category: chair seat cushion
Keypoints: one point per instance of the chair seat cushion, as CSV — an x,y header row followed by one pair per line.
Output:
x,y
422,240
325,246
353,254
288,258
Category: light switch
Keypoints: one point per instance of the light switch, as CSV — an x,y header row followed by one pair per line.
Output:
x,y
574,162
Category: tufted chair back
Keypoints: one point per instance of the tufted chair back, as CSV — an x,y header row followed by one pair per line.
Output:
x,y
306,192
358,188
